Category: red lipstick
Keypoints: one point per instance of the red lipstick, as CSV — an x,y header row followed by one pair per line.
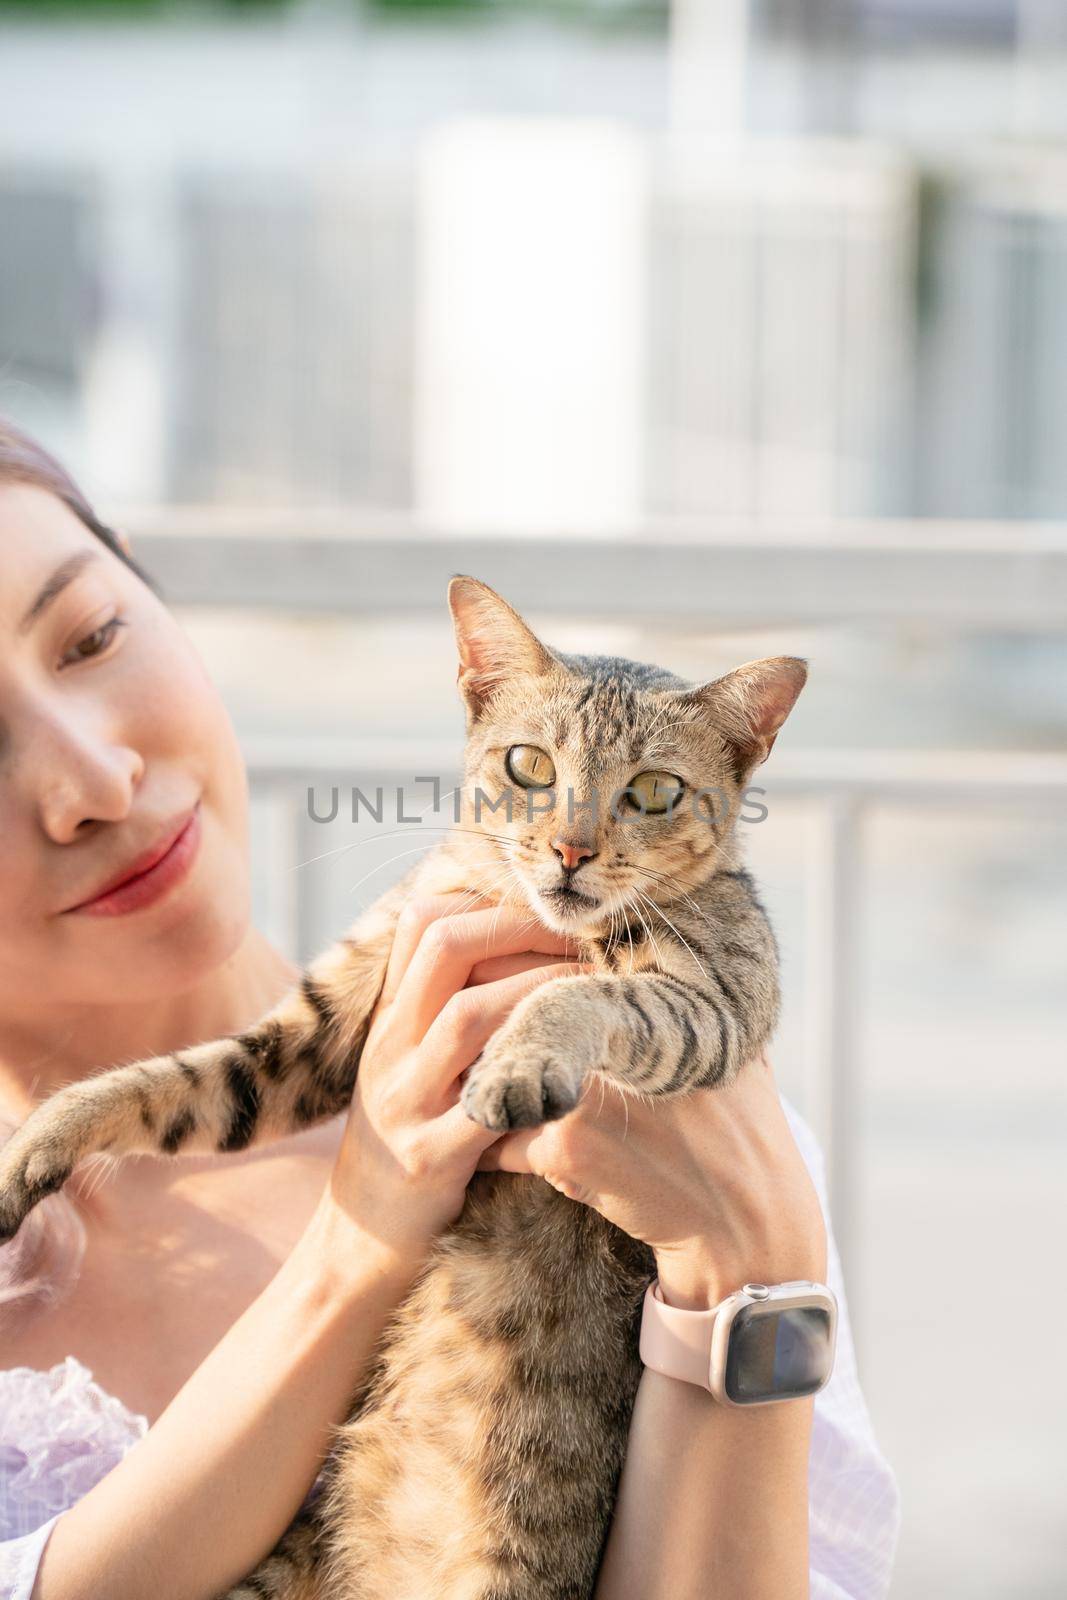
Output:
x,y
150,876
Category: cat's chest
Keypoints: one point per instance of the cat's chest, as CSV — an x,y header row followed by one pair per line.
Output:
x,y
513,1217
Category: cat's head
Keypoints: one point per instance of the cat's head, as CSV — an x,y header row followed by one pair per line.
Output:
x,y
599,783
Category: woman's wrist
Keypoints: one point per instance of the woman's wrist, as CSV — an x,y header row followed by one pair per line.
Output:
x,y
696,1276
690,1279
343,1261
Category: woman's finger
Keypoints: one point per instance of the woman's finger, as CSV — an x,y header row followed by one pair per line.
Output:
x,y
415,918
456,1138
451,946
507,966
509,1154
541,1151
466,1023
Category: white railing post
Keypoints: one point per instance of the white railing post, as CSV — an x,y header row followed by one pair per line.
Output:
x,y
709,55
831,1053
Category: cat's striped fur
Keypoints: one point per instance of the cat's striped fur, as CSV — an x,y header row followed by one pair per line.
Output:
x,y
482,1453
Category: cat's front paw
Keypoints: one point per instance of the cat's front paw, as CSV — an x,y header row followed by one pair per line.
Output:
x,y
517,1084
32,1166
533,1070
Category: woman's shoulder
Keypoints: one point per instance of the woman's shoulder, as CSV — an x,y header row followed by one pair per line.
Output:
x,y
60,1432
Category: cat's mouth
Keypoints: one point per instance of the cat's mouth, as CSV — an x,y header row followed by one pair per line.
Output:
x,y
567,901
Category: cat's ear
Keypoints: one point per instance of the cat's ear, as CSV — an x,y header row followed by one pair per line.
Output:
x,y
493,641
750,704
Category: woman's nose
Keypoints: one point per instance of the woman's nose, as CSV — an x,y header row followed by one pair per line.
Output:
x,y
82,779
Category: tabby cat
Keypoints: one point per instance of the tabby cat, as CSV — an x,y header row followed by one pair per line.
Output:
x,y
480,1459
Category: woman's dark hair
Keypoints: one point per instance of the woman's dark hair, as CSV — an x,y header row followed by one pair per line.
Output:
x,y
23,460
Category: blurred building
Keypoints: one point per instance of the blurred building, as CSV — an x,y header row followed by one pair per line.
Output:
x,y
227,239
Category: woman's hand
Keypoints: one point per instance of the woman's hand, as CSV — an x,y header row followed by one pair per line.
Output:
x,y
409,1150
712,1181
222,1472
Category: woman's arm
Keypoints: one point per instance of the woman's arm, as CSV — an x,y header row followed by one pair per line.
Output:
x,y
712,1501
212,1486
850,1512
205,1495
727,1186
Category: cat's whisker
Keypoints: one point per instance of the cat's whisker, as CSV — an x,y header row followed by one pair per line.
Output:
x,y
396,833
680,936
416,850
468,898
657,877
660,877
339,851
520,889
647,927
496,884
357,844
631,905
630,936
434,804
674,892
500,884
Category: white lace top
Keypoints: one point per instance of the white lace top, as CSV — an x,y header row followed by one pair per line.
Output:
x,y
60,1433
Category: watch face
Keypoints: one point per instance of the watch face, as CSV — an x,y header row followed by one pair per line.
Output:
x,y
777,1353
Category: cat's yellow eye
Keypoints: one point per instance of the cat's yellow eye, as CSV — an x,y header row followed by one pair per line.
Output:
x,y
530,767
654,792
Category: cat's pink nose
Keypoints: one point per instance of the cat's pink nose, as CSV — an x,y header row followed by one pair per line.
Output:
x,y
572,855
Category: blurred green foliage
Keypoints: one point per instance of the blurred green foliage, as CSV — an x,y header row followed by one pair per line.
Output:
x,y
603,11
103,9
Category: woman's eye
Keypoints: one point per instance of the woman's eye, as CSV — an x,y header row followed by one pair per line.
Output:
x,y
530,767
95,643
654,792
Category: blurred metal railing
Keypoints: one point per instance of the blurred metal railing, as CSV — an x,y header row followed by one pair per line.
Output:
x,y
1005,574
1009,575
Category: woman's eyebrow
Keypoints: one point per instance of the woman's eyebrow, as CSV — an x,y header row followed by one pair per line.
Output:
x,y
65,573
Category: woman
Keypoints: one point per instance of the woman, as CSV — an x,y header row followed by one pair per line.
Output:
x,y
234,1302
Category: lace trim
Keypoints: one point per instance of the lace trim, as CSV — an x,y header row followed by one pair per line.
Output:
x,y
59,1434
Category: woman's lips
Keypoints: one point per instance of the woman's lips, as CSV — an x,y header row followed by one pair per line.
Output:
x,y
144,888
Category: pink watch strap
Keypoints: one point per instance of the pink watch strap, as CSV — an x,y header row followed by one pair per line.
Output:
x,y
676,1342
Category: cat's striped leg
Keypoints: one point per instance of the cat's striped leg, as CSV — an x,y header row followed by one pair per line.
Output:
x,y
651,1032
295,1067
292,1571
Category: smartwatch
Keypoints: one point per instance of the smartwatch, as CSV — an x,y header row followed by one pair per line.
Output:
x,y
766,1342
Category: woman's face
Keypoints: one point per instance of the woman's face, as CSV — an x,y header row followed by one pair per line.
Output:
x,y
115,753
